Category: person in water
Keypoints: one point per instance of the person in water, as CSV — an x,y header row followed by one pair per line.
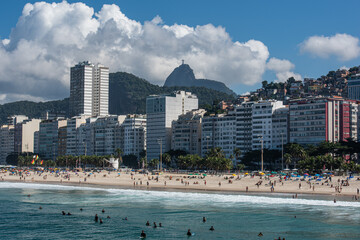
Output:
x,y
212,228
125,219
69,213
143,234
260,234
103,211
204,219
147,223
63,213
188,232
101,221
155,226
81,209
40,207
108,217
96,218
160,225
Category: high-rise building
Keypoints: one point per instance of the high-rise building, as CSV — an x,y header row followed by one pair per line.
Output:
x,y
6,142
74,142
133,135
49,138
219,131
24,135
322,119
161,110
89,90
244,126
354,87
186,132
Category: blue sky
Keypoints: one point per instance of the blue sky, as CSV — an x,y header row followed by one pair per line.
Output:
x,y
280,25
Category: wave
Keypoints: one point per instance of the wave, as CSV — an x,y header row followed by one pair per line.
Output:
x,y
183,198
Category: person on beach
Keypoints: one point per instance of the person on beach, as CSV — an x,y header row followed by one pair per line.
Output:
x,y
212,228
96,218
147,223
188,233
143,234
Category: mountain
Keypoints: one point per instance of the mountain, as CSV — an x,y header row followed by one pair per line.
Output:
x,y
184,76
127,94
32,109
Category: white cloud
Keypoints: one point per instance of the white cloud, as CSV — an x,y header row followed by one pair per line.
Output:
x,y
282,69
343,46
49,38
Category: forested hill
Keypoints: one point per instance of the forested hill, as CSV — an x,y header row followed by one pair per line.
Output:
x,y
127,94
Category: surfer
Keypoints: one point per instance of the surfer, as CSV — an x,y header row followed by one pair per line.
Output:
x,y
188,233
212,228
143,234
96,218
147,223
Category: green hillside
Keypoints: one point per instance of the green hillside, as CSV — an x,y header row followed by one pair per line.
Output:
x,y
127,95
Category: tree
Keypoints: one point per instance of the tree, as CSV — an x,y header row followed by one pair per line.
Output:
x,y
154,162
237,153
166,159
288,160
119,153
131,161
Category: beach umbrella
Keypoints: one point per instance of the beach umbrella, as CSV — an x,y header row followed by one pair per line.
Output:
x,y
317,175
306,174
283,173
274,172
204,175
234,175
246,173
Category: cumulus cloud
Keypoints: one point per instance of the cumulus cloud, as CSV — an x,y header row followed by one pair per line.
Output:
x,y
282,69
343,46
49,38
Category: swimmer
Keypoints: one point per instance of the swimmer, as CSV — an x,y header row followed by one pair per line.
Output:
x,y
155,226
40,207
96,218
29,195
188,233
212,228
334,200
103,211
160,225
125,219
63,213
81,209
147,223
101,221
108,217
295,216
143,234
260,234
69,213
204,219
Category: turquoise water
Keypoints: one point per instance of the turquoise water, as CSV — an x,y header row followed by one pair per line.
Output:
x,y
233,216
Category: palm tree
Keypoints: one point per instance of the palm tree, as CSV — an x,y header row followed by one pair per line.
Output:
x,y
288,160
166,158
237,153
119,153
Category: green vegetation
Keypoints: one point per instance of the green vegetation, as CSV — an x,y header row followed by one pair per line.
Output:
x,y
127,94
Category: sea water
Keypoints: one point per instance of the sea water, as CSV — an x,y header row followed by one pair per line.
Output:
x,y
234,216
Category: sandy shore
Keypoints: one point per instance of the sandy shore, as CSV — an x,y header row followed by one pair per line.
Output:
x,y
184,182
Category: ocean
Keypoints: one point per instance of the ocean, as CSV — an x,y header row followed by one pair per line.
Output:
x,y
234,216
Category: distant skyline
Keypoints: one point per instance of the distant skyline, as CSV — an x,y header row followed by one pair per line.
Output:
x,y
240,43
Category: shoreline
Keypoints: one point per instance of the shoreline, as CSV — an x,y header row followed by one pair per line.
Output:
x,y
182,189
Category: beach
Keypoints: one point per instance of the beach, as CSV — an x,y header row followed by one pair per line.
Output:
x,y
338,186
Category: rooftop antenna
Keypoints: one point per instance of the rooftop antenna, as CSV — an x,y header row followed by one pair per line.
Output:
x,y
182,62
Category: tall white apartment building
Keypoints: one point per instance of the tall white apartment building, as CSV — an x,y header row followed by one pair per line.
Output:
x,y
133,135
74,143
101,135
219,131
89,89
161,110
262,124
186,132
6,142
354,87
280,126
24,135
